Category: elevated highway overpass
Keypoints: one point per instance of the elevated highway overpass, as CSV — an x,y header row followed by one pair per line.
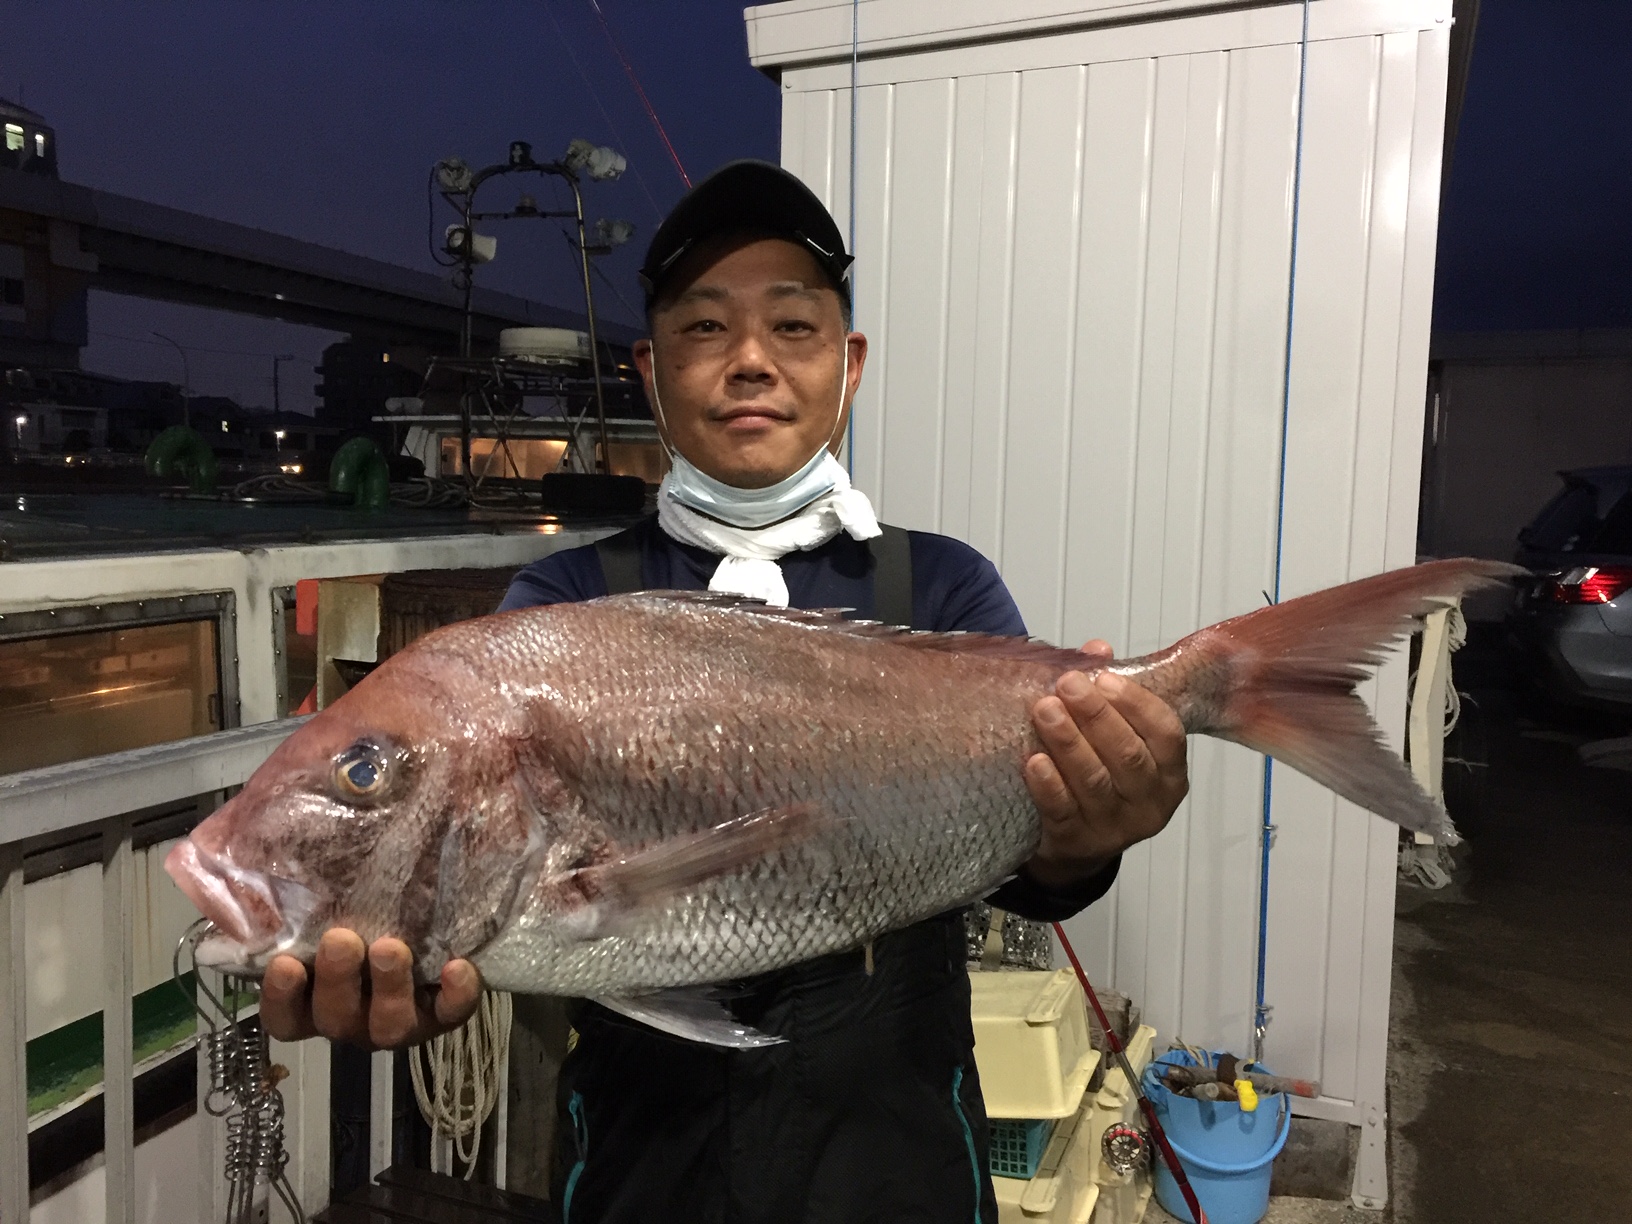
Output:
x,y
84,238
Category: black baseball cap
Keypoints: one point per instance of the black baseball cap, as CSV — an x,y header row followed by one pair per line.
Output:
x,y
747,195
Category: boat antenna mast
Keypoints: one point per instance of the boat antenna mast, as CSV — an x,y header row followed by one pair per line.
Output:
x,y
459,184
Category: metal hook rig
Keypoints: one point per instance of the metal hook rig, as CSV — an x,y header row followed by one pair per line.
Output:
x,y
243,1090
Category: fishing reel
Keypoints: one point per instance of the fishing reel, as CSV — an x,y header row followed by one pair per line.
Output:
x,y
1125,1148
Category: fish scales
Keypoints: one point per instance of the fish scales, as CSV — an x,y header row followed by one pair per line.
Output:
x,y
914,763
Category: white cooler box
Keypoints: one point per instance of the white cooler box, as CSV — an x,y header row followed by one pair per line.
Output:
x,y
1035,1058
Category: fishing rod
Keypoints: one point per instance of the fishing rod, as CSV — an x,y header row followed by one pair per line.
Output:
x,y
1169,1156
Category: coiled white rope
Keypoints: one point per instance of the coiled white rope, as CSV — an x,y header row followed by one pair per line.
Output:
x,y
465,1070
1431,865
1456,637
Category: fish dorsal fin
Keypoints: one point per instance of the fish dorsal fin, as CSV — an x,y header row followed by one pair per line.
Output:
x,y
726,601
836,620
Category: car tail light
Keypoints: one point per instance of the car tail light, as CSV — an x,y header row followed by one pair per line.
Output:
x,y
1593,584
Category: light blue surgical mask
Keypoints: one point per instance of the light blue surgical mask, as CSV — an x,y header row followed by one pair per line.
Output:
x,y
753,508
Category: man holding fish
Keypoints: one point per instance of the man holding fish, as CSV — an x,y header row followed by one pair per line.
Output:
x,y
672,781
871,1106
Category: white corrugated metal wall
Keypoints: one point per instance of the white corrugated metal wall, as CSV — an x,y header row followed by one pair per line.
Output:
x,y
1072,261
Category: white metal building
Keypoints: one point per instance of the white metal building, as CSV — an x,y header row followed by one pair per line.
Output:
x,y
1072,228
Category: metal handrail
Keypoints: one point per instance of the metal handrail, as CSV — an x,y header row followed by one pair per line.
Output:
x,y
40,803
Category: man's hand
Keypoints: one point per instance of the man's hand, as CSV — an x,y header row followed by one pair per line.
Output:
x,y
392,1014
1111,773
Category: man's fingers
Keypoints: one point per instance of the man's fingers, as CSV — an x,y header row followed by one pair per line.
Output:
x,y
461,992
1151,718
1099,650
1116,745
286,1012
1049,791
393,1012
337,987
1060,721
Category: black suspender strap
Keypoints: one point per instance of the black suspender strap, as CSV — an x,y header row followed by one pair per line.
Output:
x,y
620,562
892,576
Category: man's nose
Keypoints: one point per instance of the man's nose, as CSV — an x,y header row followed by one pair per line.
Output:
x,y
751,360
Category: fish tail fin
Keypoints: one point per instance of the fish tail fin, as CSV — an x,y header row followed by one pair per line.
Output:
x,y
1284,682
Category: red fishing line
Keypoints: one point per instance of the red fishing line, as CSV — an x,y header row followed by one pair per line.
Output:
x,y
651,111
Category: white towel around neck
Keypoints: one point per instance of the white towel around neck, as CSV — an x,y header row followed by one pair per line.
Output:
x,y
748,565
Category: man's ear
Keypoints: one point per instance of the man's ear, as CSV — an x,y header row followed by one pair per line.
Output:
x,y
645,361
857,359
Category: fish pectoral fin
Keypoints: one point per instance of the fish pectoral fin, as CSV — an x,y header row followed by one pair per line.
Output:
x,y
691,1014
615,891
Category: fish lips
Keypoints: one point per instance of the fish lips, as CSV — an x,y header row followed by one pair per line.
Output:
x,y
256,915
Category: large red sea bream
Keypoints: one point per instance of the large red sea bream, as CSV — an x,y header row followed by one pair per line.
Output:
x,y
613,798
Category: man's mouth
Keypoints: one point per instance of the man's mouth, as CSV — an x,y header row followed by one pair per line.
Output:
x,y
748,417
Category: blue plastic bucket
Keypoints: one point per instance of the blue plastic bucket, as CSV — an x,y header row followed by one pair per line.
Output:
x,y
1226,1153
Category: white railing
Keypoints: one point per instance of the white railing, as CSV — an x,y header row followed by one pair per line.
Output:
x,y
101,793
44,804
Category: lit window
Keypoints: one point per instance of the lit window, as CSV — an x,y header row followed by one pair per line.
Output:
x,y
223,427
108,690
385,357
14,137
39,144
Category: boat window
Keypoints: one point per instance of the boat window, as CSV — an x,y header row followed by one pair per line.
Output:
x,y
68,696
297,661
14,137
511,458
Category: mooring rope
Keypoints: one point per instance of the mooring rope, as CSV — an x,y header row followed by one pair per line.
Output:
x,y
464,1072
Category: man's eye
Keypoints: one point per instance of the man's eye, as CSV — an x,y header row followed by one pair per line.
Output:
x,y
795,325
706,326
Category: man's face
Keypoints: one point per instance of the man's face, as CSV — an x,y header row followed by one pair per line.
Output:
x,y
747,350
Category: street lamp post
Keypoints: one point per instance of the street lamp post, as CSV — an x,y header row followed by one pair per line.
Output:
x,y
186,378
277,401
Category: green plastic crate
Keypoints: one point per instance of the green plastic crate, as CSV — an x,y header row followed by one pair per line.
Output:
x,y
1018,1145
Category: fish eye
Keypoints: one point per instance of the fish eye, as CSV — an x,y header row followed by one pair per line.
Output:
x,y
360,772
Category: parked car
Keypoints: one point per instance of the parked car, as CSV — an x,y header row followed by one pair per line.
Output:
x,y
1572,623
1569,521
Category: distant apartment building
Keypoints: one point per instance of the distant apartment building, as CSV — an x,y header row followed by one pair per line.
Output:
x,y
43,272
30,143
358,376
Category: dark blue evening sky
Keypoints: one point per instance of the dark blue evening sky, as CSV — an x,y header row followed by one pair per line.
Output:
x,y
1537,227
321,118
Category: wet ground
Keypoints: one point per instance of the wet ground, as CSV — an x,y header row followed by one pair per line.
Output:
x,y
1511,1053
1510,1063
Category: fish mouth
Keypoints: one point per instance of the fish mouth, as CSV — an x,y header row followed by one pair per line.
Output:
x,y
226,955
255,915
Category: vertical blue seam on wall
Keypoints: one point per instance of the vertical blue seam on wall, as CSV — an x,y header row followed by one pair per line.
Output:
x,y
1267,831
